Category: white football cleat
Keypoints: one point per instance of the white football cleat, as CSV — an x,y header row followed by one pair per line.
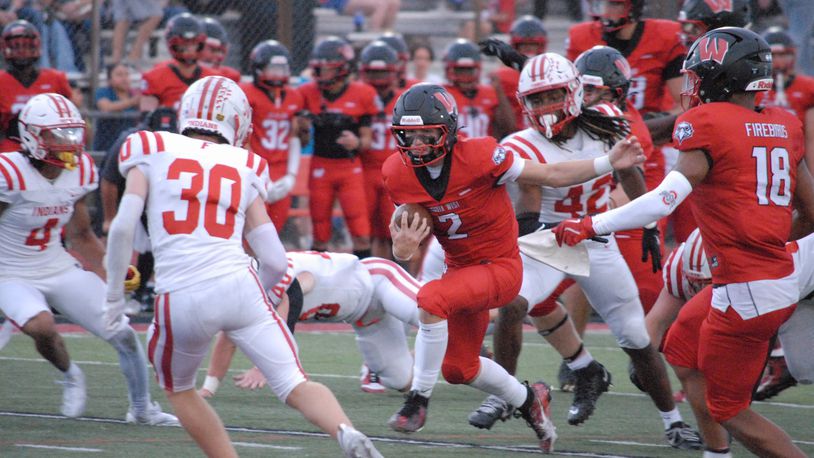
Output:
x,y
74,394
355,444
152,416
370,381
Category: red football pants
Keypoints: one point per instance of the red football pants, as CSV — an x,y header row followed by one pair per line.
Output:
x,y
731,352
380,207
464,296
649,283
337,178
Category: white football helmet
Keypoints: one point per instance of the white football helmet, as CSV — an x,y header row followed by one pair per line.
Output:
x,y
52,130
546,72
694,262
216,105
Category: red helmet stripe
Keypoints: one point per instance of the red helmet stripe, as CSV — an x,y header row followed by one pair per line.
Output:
x,y
145,144
58,106
203,97
159,143
213,98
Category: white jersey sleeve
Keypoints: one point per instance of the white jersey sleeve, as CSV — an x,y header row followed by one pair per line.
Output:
x,y
37,210
196,205
342,289
575,201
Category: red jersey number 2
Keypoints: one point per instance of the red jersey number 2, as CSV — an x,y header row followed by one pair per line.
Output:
x,y
211,200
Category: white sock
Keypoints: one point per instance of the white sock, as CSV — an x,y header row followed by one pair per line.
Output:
x,y
430,348
719,454
494,379
670,417
73,371
580,361
777,353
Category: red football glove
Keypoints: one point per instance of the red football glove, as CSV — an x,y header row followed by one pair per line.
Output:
x,y
573,231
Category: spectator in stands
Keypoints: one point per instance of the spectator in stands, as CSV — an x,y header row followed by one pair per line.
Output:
x,y
125,12
75,16
496,17
116,99
422,57
380,14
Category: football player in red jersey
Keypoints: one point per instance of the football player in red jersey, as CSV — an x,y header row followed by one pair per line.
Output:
x,y
23,79
746,166
458,180
529,37
342,111
652,47
483,109
379,68
167,81
396,41
792,91
275,126
215,49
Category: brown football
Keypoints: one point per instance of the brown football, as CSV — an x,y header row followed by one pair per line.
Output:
x,y
412,210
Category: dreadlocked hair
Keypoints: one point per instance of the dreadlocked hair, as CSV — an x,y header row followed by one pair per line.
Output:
x,y
599,126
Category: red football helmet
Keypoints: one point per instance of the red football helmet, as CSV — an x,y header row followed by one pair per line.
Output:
x,y
462,63
21,43
331,61
185,38
216,45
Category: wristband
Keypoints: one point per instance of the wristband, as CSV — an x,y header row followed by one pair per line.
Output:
x,y
602,165
211,384
398,258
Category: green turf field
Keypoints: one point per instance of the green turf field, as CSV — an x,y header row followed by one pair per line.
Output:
x,y
625,424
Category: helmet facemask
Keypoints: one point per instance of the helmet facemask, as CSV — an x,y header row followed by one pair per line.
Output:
x,y
382,77
550,110
689,90
421,145
186,50
530,46
275,74
613,14
59,146
329,73
214,52
464,75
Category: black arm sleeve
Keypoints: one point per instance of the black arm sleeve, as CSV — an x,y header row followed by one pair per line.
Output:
x,y
528,222
295,300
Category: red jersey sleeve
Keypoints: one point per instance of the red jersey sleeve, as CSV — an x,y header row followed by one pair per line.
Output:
x,y
370,101
693,130
63,87
493,160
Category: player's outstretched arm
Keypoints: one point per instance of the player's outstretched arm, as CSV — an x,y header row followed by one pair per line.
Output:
x,y
691,168
81,238
262,237
221,358
120,244
624,154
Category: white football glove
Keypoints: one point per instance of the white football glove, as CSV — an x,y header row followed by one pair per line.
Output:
x,y
280,188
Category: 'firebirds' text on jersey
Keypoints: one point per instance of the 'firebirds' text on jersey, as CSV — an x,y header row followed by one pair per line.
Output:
x,y
477,113
474,220
655,54
797,97
198,196
559,204
744,204
165,83
14,96
271,124
342,289
38,209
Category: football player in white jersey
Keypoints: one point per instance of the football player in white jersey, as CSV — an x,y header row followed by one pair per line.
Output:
x,y
42,192
550,91
686,273
204,194
375,295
